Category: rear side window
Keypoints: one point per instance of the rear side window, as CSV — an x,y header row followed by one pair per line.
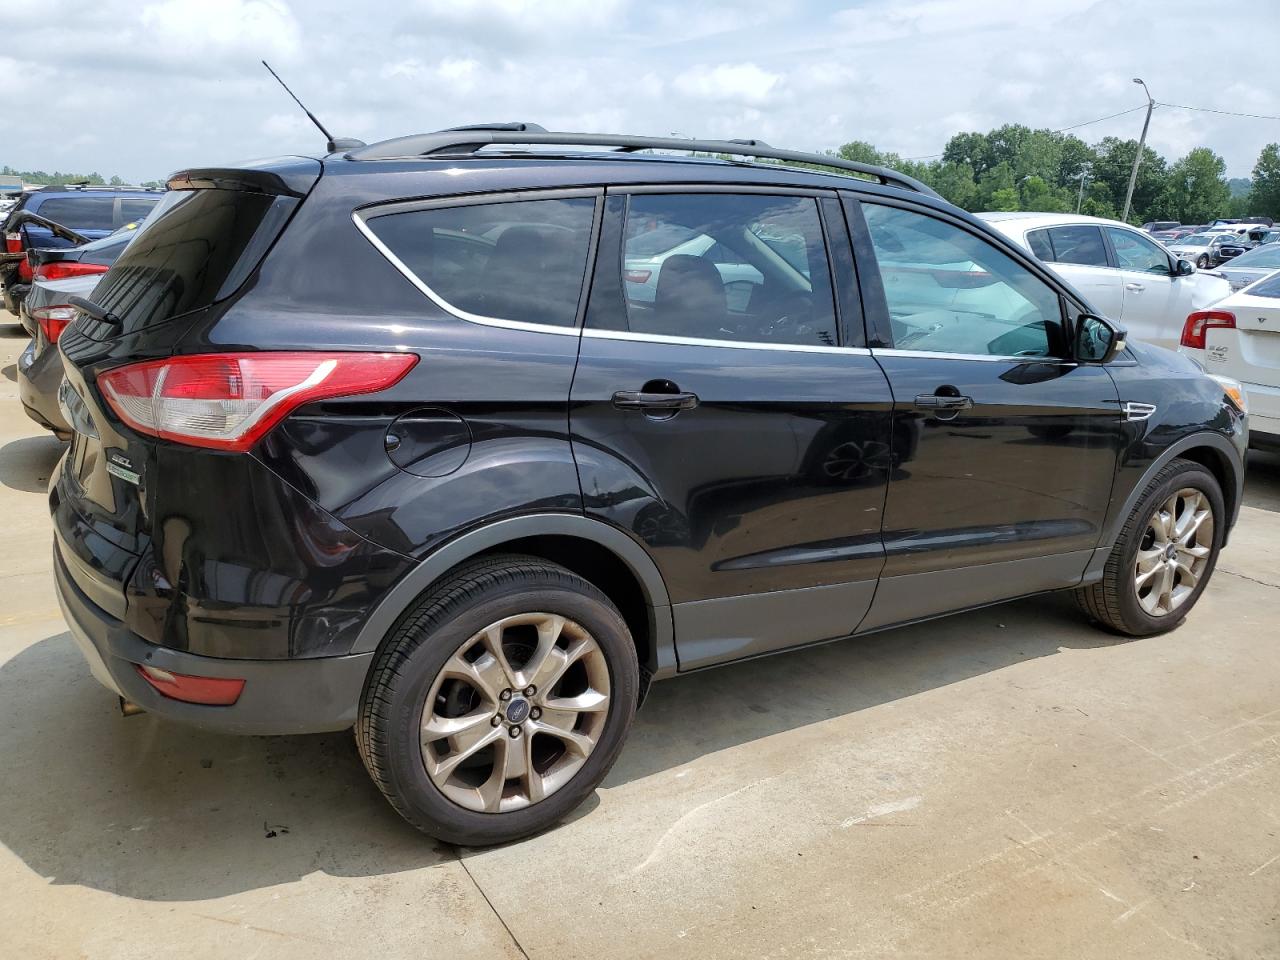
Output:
x,y
133,210
80,213
1135,252
522,260
195,248
722,266
1080,244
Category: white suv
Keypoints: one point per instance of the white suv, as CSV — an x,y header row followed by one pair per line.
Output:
x,y
1122,272
1240,338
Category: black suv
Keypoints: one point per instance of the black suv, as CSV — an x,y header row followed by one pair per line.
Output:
x,y
465,438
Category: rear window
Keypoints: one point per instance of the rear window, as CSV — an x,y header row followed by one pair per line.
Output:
x,y
195,248
1270,287
522,260
80,213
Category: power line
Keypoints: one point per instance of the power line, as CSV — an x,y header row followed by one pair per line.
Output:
x,y
1074,126
1229,113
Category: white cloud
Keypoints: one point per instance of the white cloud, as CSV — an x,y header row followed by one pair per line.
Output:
x,y
728,82
204,27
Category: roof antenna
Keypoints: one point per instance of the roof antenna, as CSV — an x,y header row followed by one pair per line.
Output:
x,y
334,143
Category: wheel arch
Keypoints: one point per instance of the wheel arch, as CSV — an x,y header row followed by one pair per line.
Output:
x,y
596,551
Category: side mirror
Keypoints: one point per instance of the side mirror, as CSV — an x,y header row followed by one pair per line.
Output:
x,y
1097,339
1185,268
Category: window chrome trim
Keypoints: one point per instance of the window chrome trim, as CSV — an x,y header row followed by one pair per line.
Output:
x,y
359,218
599,334
989,358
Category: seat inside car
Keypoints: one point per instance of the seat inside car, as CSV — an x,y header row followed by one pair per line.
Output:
x,y
690,299
523,277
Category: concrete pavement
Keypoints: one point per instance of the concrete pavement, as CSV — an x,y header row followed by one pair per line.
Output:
x,y
1005,783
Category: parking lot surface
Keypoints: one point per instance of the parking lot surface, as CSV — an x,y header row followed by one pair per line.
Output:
x,y
1005,783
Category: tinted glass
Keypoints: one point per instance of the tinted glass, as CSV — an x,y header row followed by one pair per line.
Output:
x,y
1270,287
1038,240
525,260
188,253
1078,244
1135,252
133,210
1267,256
753,268
80,213
949,291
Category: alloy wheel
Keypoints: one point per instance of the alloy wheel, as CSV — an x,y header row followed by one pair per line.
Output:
x,y
515,712
1174,553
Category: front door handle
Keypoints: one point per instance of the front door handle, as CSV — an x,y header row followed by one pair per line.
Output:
x,y
1134,287
934,401
640,400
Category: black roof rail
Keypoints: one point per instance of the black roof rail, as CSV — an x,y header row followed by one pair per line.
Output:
x,y
82,185
465,141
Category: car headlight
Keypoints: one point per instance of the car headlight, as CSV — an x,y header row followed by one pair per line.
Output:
x,y
1234,391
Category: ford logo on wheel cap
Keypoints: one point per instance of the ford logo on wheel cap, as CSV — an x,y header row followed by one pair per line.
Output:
x,y
518,710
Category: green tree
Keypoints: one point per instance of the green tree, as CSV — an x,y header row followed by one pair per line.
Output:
x,y
1264,196
1196,189
859,151
955,181
1044,197
971,150
1112,166
1005,198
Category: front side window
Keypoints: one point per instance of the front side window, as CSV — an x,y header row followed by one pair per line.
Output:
x,y
949,291
523,260
131,210
736,267
1135,252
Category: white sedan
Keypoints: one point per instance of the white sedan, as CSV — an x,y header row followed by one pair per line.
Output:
x,y
1240,338
1121,271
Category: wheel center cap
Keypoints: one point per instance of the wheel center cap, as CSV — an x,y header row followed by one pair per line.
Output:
x,y
1171,551
518,710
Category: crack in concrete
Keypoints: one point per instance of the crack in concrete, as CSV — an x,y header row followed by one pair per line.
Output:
x,y
1243,576
510,933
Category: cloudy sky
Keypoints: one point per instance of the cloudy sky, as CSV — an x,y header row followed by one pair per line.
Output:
x,y
140,88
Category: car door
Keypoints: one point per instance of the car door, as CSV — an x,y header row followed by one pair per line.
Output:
x,y
1005,448
745,442
1156,300
1078,253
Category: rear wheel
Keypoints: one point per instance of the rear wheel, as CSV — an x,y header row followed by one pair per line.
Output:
x,y
1202,262
1164,556
499,702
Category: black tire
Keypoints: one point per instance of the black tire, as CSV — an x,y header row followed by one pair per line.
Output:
x,y
391,707
1113,601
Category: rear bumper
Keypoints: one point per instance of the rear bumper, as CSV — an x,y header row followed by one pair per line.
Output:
x,y
309,695
38,381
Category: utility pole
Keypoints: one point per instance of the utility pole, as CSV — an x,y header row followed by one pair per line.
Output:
x,y
1084,172
1142,142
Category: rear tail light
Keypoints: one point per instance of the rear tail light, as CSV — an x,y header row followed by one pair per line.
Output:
x,y
53,320
1201,322
212,691
638,276
229,401
62,269
24,271
13,243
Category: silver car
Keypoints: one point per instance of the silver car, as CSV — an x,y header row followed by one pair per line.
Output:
x,y
1251,265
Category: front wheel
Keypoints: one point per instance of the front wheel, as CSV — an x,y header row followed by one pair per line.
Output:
x,y
499,702
1202,262
1163,557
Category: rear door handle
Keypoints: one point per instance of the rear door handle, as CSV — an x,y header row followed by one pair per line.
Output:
x,y
1134,287
933,401
640,400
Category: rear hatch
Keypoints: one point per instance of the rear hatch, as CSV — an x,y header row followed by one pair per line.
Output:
x,y
1251,352
191,256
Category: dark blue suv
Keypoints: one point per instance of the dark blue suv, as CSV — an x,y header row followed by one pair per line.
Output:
x,y
463,447
91,212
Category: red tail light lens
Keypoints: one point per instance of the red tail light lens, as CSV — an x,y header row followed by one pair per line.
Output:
x,y
212,691
229,401
53,320
13,243
24,271
1201,322
61,270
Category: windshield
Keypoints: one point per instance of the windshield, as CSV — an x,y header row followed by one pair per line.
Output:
x,y
113,240
1195,240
